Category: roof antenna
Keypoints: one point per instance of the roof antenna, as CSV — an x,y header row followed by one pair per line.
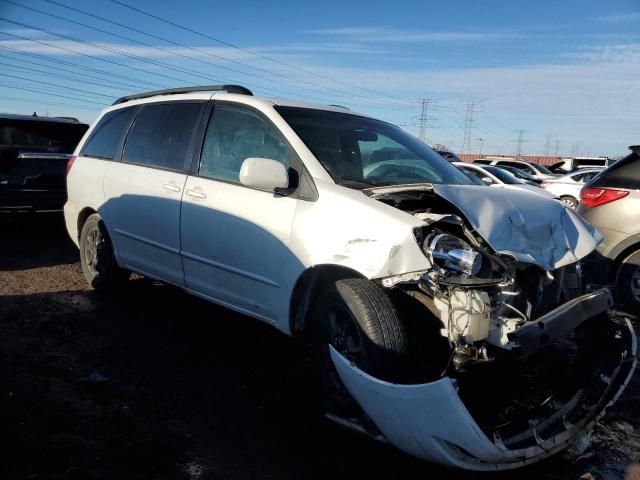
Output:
x,y
34,114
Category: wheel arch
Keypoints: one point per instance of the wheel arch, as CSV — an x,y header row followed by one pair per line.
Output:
x,y
82,217
306,290
622,251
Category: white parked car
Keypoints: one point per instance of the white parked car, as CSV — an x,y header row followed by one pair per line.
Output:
x,y
538,172
568,186
441,311
499,178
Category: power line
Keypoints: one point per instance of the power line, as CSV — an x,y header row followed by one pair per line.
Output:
x,y
112,50
73,79
182,45
75,66
181,70
75,72
57,85
49,93
27,100
89,56
67,37
325,77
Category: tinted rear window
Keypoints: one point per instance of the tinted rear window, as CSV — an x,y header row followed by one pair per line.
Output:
x,y
107,135
161,135
40,134
624,173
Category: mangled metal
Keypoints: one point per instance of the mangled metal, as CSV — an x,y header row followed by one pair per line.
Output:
x,y
432,422
504,284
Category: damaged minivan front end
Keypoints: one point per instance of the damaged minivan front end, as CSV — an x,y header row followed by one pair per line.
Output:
x,y
528,353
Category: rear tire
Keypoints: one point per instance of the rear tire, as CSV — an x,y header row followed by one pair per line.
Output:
x,y
96,256
628,282
357,317
569,201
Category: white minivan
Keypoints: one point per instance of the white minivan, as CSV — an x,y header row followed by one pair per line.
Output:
x,y
440,310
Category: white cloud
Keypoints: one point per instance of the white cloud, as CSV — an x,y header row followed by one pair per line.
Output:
x,y
621,17
392,35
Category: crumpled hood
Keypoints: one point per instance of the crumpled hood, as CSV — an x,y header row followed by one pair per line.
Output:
x,y
529,227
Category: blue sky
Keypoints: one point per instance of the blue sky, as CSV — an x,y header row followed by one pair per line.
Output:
x,y
566,73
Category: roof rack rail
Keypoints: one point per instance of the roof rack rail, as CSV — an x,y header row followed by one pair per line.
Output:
x,y
174,91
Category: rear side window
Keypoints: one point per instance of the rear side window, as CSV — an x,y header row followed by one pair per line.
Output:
x,y
41,134
624,173
162,134
107,135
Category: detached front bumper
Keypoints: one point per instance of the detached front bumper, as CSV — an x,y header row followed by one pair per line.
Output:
x,y
430,421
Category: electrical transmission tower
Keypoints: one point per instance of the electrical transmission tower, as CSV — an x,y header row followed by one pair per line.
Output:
x,y
520,141
556,148
422,135
468,125
547,146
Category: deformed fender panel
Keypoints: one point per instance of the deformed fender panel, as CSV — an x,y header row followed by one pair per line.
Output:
x,y
351,230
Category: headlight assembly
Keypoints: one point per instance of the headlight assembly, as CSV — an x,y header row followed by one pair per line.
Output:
x,y
453,253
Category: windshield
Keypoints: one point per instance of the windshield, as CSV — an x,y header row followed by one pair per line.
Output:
x,y
359,152
503,175
518,173
541,168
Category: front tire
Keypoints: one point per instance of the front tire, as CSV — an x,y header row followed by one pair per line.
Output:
x,y
628,282
357,317
96,256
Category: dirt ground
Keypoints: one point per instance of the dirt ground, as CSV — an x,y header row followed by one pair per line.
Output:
x,y
148,382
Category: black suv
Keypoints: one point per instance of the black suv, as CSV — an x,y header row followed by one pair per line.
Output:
x,y
34,152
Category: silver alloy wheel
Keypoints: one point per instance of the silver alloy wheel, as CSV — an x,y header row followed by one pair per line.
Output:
x,y
93,239
569,202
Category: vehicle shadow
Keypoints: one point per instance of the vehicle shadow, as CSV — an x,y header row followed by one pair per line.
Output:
x,y
150,382
33,240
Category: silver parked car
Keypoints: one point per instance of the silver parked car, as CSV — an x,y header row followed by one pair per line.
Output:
x,y
611,203
567,187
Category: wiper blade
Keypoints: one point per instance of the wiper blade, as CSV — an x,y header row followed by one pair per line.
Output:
x,y
361,180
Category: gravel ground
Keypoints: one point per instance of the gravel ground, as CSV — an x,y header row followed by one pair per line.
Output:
x,y
148,382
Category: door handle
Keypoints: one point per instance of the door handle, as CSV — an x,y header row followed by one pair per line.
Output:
x,y
196,193
172,187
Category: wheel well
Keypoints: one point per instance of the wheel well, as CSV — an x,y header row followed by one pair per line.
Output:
x,y
82,217
306,290
613,272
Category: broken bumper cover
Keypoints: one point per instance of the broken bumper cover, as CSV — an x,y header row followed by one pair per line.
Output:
x,y
561,321
431,422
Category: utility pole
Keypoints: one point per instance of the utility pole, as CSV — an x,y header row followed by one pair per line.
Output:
x,y
422,135
547,146
520,141
556,148
468,125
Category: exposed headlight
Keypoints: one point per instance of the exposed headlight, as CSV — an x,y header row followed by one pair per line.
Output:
x,y
449,251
